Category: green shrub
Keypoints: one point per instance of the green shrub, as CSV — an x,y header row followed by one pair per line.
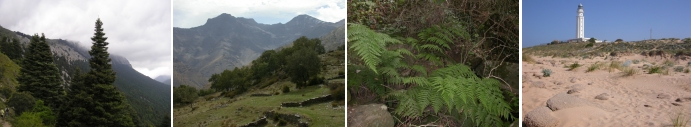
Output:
x,y
29,119
686,70
574,66
546,72
655,69
338,93
205,92
315,81
21,101
678,69
6,91
184,94
286,89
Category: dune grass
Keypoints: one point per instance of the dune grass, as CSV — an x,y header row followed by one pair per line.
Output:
x,y
680,120
573,66
668,63
595,66
528,59
614,65
629,71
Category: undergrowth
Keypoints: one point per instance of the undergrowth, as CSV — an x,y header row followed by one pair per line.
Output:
x,y
420,75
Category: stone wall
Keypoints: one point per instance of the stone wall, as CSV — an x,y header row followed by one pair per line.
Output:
x,y
317,100
289,118
259,95
291,104
261,122
308,102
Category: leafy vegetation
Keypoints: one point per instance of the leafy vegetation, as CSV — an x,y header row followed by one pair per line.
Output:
x,y
438,61
546,72
184,94
655,69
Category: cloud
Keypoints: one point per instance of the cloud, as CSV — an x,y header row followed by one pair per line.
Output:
x,y
139,30
192,13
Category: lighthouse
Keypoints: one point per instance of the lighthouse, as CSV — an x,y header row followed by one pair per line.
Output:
x,y
579,28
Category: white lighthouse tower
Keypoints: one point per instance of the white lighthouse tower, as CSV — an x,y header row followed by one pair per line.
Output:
x,y
579,28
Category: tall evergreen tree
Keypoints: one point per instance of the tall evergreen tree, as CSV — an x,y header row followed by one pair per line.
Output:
x,y
101,102
39,75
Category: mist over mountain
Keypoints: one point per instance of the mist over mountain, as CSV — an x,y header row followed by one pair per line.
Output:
x,y
226,41
165,79
148,97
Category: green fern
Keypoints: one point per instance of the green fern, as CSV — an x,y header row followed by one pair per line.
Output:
x,y
368,44
456,88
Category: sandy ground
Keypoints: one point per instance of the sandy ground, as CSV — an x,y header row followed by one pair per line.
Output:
x,y
633,100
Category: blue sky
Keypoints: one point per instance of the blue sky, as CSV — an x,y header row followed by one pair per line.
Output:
x,y
544,21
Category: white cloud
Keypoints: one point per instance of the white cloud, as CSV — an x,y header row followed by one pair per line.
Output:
x,y
139,30
192,13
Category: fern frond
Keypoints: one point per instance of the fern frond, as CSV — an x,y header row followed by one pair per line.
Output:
x,y
431,47
368,44
419,69
421,81
457,88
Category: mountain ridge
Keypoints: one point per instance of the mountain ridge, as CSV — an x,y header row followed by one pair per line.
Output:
x,y
226,41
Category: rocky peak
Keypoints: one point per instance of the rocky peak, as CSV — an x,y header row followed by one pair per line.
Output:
x,y
304,19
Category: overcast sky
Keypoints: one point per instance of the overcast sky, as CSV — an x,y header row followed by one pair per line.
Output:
x,y
192,13
139,30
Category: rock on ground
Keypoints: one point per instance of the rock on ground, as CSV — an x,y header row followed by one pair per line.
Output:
x,y
564,101
603,96
538,84
663,96
540,117
371,115
576,89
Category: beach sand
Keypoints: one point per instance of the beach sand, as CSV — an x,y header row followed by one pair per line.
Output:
x,y
639,100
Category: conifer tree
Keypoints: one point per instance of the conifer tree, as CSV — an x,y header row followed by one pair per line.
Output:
x,y
97,102
39,75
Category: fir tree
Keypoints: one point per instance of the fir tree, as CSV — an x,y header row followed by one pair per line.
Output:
x,y
39,75
95,95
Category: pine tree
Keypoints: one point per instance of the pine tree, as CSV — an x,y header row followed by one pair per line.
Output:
x,y
39,75
101,102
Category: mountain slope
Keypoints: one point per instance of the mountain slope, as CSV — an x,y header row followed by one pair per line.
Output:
x,y
148,97
225,42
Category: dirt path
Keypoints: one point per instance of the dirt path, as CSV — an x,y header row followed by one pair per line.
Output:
x,y
5,124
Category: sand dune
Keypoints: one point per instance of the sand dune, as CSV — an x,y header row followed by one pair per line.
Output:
x,y
639,100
